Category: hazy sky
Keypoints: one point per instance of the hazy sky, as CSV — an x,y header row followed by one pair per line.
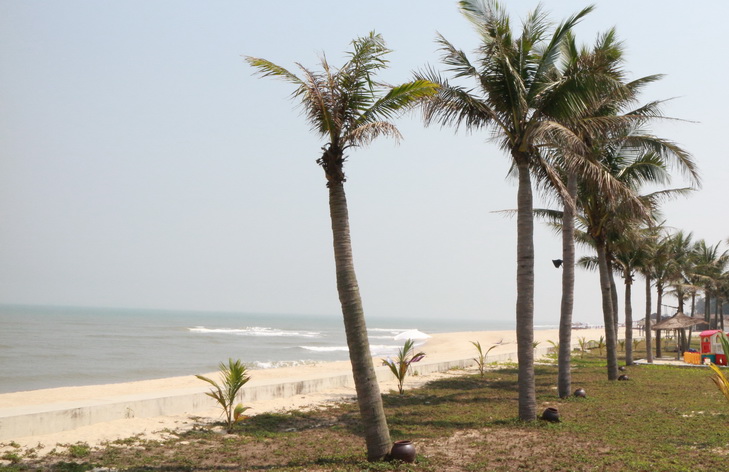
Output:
x,y
143,165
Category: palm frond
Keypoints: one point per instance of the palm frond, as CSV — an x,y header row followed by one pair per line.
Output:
x,y
368,132
588,263
456,59
548,215
454,105
266,68
398,99
551,52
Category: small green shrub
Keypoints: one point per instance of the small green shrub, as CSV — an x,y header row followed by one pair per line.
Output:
x,y
481,358
233,378
12,457
400,366
79,450
584,345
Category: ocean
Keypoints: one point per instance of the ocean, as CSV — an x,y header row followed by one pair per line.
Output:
x,y
47,347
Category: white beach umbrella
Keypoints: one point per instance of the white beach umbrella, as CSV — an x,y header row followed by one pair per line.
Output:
x,y
413,334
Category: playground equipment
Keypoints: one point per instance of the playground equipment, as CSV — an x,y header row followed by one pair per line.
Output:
x,y
711,350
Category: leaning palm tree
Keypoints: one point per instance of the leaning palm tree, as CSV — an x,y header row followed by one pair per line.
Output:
x,y
349,109
520,97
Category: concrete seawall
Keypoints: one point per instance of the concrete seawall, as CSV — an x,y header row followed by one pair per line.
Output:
x,y
56,417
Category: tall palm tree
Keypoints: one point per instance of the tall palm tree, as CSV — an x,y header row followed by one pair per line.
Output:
x,y
646,268
609,92
722,296
668,270
630,252
634,158
349,109
710,263
519,95
601,68
628,155
661,273
682,267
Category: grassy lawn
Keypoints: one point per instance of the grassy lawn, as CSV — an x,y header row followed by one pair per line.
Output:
x,y
662,419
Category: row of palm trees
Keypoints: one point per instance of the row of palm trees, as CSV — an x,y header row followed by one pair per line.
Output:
x,y
565,116
678,266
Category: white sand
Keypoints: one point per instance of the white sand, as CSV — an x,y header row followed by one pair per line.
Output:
x,y
440,347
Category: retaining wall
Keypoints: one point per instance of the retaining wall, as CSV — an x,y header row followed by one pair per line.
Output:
x,y
56,417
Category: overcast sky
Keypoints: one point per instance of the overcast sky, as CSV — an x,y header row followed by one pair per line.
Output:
x,y
143,165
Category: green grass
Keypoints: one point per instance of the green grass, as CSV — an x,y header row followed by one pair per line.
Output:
x,y
663,419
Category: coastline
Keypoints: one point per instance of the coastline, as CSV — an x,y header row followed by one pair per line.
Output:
x,y
309,387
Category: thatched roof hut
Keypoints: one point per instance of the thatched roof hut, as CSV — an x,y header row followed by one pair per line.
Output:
x,y
677,321
680,323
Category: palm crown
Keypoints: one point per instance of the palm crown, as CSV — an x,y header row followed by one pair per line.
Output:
x,y
521,89
347,106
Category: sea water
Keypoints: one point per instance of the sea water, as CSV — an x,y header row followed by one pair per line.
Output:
x,y
46,347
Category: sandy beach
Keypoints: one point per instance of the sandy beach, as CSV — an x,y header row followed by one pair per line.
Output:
x,y
440,348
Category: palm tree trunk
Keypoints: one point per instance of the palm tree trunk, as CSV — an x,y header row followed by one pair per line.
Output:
x,y
613,292
607,311
707,308
680,295
525,292
648,330
377,434
564,378
717,302
691,329
659,316
721,314
628,318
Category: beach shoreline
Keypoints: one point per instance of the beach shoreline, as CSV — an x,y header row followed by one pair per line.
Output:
x,y
308,386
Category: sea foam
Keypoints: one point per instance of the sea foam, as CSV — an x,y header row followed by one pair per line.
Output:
x,y
256,331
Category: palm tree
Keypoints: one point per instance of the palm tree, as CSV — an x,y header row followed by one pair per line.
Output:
x,y
520,97
601,68
646,267
630,252
661,271
349,109
710,262
668,270
681,267
722,296
634,158
624,255
626,155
